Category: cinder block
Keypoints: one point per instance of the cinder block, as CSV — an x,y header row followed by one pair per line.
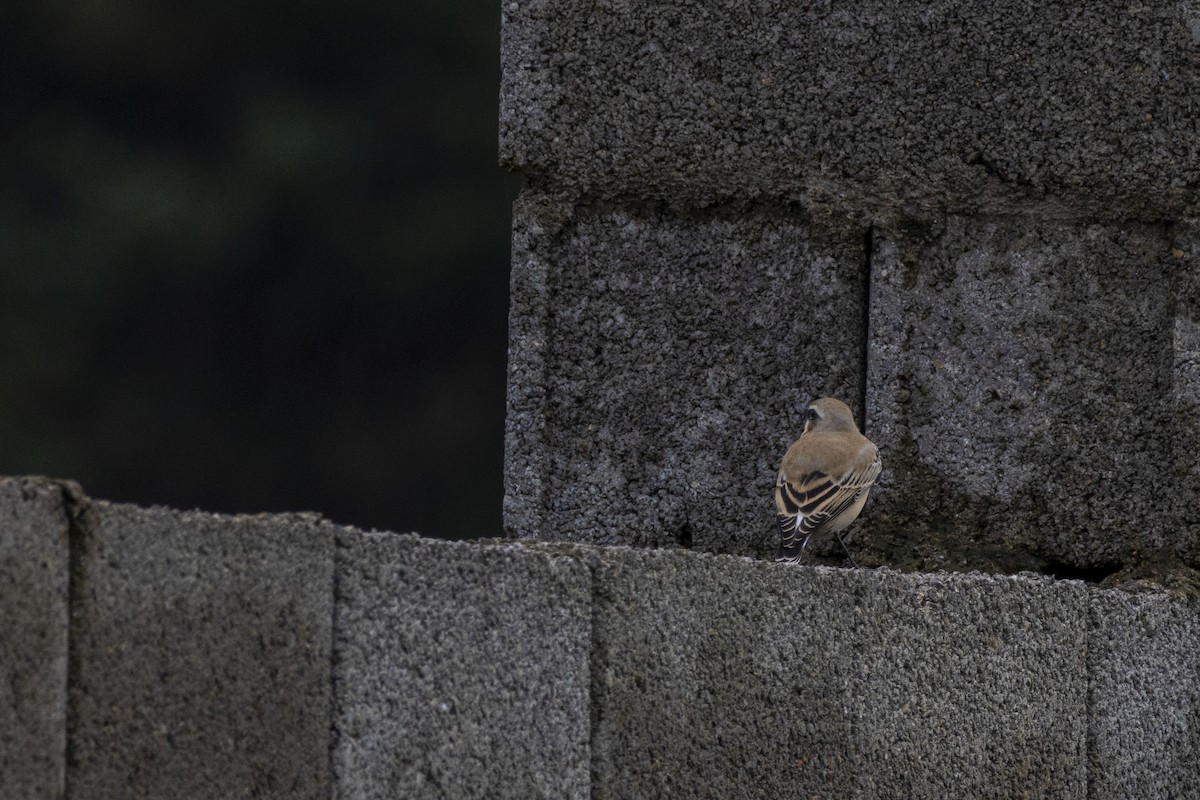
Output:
x,y
33,638
969,686
461,671
203,648
1144,718
872,105
660,365
1020,389
720,677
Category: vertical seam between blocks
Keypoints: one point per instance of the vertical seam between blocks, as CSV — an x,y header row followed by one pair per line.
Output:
x,y
331,741
597,656
80,520
1089,696
865,325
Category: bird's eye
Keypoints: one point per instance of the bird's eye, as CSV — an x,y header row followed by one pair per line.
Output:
x,y
812,415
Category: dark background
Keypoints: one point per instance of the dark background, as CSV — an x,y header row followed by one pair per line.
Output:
x,y
254,256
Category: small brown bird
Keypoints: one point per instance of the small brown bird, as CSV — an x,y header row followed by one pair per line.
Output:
x,y
824,479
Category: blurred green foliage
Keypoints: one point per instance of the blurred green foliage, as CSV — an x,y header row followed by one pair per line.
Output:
x,y
254,256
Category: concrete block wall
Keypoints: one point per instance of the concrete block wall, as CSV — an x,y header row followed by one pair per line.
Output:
x,y
902,109
460,671
200,655
649,356
1021,381
976,225
719,677
282,656
33,639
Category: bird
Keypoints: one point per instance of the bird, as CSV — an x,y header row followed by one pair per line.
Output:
x,y
824,478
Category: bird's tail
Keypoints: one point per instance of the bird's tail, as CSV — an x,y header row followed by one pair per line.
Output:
x,y
790,546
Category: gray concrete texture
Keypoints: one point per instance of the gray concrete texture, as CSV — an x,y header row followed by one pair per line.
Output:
x,y
1032,384
1185,395
201,650
722,677
1022,386
1144,720
879,105
461,671
975,225
34,567
242,656
661,364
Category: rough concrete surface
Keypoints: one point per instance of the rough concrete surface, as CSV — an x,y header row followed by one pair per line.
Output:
x,y
33,638
1144,715
726,678
1020,390
201,656
660,365
1185,409
971,107
719,677
969,686
237,657
461,671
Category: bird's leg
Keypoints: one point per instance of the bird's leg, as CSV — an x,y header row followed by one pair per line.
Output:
x,y
849,557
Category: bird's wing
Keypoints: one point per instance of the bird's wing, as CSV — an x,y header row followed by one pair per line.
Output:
x,y
806,498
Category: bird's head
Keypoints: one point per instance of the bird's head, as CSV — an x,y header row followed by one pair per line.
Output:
x,y
829,415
